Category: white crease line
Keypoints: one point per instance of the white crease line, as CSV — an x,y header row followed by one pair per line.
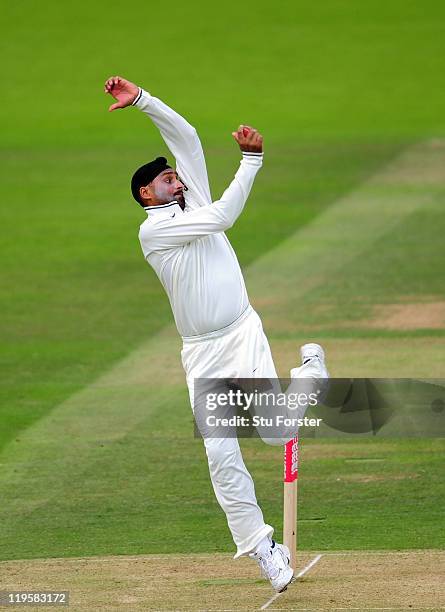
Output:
x,y
271,600
206,556
299,575
308,567
408,551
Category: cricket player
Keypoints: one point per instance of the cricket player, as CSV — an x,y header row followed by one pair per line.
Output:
x,y
183,240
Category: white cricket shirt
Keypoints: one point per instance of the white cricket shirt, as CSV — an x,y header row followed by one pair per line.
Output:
x,y
188,249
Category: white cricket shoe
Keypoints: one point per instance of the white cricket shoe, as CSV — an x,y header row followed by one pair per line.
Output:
x,y
313,352
274,564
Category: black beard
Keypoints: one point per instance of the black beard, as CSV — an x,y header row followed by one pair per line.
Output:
x,y
181,200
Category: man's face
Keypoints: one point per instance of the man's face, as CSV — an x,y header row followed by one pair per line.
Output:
x,y
165,188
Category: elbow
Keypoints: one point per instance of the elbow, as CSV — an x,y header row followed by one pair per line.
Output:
x,y
230,223
224,219
227,223
190,131
225,212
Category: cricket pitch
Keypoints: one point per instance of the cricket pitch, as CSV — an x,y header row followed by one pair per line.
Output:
x,y
352,580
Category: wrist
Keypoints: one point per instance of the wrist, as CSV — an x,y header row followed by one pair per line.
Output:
x,y
248,149
138,96
252,158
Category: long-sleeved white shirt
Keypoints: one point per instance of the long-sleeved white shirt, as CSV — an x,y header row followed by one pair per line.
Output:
x,y
188,249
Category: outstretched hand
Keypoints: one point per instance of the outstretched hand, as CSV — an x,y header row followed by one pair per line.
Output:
x,y
122,90
249,139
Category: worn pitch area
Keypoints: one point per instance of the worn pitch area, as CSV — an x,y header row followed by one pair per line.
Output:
x,y
409,580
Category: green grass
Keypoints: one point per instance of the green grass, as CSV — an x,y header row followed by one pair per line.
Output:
x,y
402,266
339,90
339,69
350,504
77,294
148,491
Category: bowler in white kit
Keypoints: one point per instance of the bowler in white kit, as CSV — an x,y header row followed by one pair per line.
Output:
x,y
183,240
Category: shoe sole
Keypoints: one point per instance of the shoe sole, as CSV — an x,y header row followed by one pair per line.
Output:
x,y
285,587
316,347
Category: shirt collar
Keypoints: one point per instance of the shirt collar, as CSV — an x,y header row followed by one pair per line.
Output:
x,y
168,210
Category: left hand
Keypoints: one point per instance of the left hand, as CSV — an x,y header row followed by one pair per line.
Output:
x,y
249,139
123,91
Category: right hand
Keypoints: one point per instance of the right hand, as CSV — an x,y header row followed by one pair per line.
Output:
x,y
249,139
122,90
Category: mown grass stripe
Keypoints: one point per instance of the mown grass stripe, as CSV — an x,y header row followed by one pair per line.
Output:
x,y
73,454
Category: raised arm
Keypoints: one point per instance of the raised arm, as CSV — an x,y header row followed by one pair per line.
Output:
x,y
183,141
169,232
180,137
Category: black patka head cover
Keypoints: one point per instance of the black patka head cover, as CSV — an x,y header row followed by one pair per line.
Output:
x,y
145,174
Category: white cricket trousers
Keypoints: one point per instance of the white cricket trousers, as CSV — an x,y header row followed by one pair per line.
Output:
x,y
240,350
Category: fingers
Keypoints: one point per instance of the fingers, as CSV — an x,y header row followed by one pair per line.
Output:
x,y
256,138
247,134
115,106
242,132
111,82
238,135
248,138
251,136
